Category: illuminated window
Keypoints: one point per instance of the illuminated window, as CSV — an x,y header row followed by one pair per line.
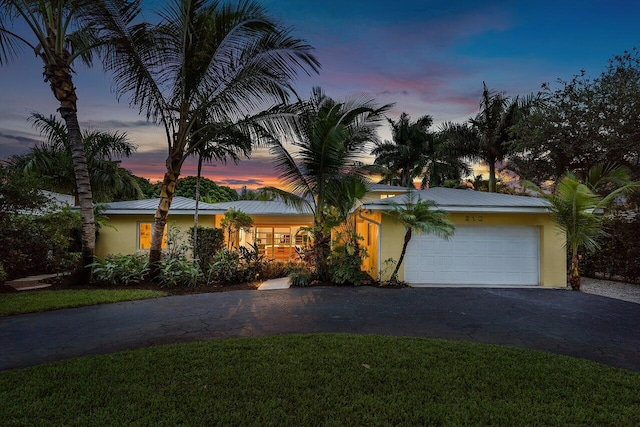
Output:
x,y
144,236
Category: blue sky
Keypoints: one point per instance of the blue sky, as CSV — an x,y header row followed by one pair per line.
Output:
x,y
427,57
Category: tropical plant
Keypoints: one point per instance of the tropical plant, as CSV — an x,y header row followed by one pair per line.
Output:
x,y
209,242
51,161
178,271
227,267
62,33
417,153
204,58
324,172
120,270
577,209
421,216
234,221
487,137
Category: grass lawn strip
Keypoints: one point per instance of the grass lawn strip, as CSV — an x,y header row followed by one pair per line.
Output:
x,y
33,301
322,380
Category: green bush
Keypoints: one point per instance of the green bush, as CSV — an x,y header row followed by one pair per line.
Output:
x,y
178,272
276,269
227,267
210,241
345,263
620,251
3,275
302,276
120,270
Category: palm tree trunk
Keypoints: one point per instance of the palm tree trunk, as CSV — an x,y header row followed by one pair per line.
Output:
x,y
407,238
492,177
167,190
59,78
195,214
574,273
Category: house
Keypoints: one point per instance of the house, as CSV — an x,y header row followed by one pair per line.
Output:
x,y
500,240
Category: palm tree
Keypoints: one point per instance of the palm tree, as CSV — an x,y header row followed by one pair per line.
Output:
x,y
576,207
333,136
62,33
217,142
52,162
422,217
416,152
486,137
204,58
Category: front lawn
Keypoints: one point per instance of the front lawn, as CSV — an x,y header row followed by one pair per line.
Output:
x,y
322,380
31,301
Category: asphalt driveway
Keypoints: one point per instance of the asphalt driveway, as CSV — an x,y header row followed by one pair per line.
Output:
x,y
557,321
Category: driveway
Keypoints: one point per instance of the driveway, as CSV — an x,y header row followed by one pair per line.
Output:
x,y
557,321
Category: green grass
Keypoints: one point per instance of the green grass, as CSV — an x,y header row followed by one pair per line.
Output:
x,y
322,380
31,301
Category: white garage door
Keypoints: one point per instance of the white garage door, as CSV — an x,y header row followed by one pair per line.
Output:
x,y
480,255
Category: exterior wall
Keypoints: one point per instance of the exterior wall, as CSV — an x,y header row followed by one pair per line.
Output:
x,y
124,238
367,227
552,251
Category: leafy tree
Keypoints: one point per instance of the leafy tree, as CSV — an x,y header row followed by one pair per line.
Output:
x,y
62,33
417,153
582,123
234,221
213,192
576,205
51,161
487,137
258,194
325,162
204,58
422,217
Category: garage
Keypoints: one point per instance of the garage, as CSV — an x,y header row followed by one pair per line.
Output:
x,y
476,255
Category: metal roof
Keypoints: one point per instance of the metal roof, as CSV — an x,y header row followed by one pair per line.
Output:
x,y
383,188
179,205
258,207
454,200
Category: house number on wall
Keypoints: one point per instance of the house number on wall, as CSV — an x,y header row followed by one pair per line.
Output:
x,y
473,218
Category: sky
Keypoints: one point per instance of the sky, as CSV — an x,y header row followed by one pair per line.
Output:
x,y
426,56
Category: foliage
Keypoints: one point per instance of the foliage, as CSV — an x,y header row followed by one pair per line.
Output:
x,y
333,136
302,277
620,251
51,161
274,380
227,267
385,273
235,220
583,122
346,257
210,241
177,245
18,192
574,205
258,194
253,260
272,269
219,60
3,274
120,270
416,152
149,190
178,271
209,190
36,301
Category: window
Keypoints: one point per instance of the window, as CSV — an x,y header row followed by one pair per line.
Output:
x,y
144,236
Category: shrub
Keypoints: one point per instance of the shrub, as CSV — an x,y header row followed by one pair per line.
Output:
x,y
227,267
302,276
619,251
276,269
346,260
210,241
178,271
3,275
120,270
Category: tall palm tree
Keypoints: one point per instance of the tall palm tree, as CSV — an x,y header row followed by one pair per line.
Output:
x,y
217,142
52,161
576,206
325,163
487,136
417,153
204,57
422,217
62,33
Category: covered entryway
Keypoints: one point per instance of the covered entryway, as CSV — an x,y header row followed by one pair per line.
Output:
x,y
476,255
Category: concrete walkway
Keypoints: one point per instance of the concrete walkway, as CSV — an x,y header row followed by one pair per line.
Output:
x,y
557,321
30,283
274,284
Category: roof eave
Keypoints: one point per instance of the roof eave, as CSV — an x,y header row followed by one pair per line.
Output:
x,y
483,209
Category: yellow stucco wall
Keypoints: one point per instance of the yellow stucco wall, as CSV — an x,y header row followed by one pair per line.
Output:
x,y
124,238
552,251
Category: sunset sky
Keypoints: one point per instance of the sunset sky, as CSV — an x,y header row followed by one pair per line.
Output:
x,y
428,57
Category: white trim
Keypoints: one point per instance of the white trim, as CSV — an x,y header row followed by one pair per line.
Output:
x,y
486,209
